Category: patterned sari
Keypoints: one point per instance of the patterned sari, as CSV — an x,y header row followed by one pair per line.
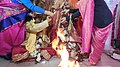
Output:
x,y
116,28
11,25
117,23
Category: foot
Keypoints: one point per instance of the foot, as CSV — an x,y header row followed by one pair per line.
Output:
x,y
88,64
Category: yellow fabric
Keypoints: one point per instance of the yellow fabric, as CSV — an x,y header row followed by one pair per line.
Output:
x,y
32,23
31,39
40,26
33,29
31,43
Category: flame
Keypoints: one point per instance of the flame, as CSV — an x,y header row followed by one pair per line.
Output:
x,y
60,34
64,57
62,51
55,43
65,62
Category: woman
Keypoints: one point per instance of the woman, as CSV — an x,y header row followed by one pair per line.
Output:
x,y
97,22
12,15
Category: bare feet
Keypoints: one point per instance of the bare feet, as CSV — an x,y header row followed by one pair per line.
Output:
x,y
88,63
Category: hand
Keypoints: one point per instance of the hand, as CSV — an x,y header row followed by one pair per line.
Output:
x,y
63,20
32,14
49,18
49,13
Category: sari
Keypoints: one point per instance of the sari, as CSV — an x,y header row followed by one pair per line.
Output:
x,y
93,38
117,23
116,28
86,9
12,26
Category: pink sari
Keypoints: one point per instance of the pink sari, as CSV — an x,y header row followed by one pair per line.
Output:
x,y
86,8
92,37
99,37
11,26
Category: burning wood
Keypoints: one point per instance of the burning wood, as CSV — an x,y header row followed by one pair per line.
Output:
x,y
63,52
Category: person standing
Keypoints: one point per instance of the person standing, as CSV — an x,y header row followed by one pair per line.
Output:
x,y
97,22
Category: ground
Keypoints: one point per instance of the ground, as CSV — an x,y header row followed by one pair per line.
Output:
x,y
106,61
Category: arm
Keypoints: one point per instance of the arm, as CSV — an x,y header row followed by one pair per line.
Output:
x,y
73,10
74,16
39,26
32,7
35,8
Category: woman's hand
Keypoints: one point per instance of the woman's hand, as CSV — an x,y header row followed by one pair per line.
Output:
x,y
49,18
49,13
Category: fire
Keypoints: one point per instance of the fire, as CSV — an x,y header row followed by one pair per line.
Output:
x,y
65,62
64,56
55,43
60,34
62,51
